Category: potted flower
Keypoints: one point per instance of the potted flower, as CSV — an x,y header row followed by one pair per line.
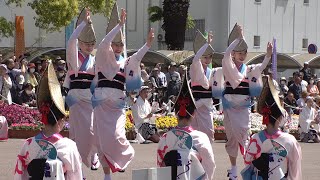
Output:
x,y
24,130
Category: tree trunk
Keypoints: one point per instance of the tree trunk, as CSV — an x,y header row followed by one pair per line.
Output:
x,y
175,13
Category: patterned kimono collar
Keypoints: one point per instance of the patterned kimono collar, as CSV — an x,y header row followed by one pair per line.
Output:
x,y
273,136
187,129
242,68
53,138
119,58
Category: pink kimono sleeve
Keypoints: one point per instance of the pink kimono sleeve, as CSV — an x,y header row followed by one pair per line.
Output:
x,y
230,71
294,162
196,70
206,153
106,62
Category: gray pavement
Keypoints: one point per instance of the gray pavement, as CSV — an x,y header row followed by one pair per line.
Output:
x,y
145,157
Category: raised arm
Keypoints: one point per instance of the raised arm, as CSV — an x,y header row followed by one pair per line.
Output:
x,y
72,47
144,49
267,58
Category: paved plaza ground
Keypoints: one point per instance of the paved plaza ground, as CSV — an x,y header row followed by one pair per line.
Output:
x,y
146,157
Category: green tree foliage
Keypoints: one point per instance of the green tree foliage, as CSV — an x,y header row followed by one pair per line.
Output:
x,y
52,15
6,28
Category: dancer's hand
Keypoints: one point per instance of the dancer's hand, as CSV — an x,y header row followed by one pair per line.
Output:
x,y
123,17
210,37
88,18
150,37
269,49
239,31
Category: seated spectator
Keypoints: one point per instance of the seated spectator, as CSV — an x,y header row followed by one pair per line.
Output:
x,y
283,86
5,85
291,104
142,114
301,102
296,87
27,97
304,83
306,119
312,88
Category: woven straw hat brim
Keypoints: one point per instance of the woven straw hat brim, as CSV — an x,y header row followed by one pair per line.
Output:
x,y
199,41
50,89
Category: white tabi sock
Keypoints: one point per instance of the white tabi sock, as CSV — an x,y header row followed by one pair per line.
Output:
x,y
234,170
107,177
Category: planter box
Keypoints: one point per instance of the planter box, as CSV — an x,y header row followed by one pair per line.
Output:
x,y
24,134
220,136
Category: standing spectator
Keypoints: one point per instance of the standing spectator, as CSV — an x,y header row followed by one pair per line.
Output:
x,y
5,85
144,73
306,72
44,65
162,76
290,80
182,71
3,128
155,79
30,77
27,97
61,64
38,69
283,86
312,88
174,80
303,83
296,88
61,73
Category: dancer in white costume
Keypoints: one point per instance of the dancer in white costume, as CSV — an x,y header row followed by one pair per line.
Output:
x,y
187,151
115,74
3,128
236,83
48,155
200,75
79,77
272,154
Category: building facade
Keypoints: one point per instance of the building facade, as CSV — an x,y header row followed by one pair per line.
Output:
x,y
294,23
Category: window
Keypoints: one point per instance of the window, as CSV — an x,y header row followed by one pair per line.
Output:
x,y
257,1
191,33
304,43
305,2
256,41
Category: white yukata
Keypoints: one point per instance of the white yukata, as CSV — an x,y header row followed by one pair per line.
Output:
x,y
3,128
67,164
281,154
201,90
197,158
108,100
236,87
306,116
79,77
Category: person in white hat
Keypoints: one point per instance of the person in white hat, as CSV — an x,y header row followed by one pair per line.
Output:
x,y
241,83
78,80
115,74
200,84
283,86
142,114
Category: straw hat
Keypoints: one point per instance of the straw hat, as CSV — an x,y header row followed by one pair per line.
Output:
x,y
185,102
242,45
87,34
113,22
269,98
199,41
49,90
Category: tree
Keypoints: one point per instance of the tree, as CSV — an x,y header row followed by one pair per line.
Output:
x,y
175,21
52,15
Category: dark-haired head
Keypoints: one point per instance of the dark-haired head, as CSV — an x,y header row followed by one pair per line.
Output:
x,y
51,115
187,115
